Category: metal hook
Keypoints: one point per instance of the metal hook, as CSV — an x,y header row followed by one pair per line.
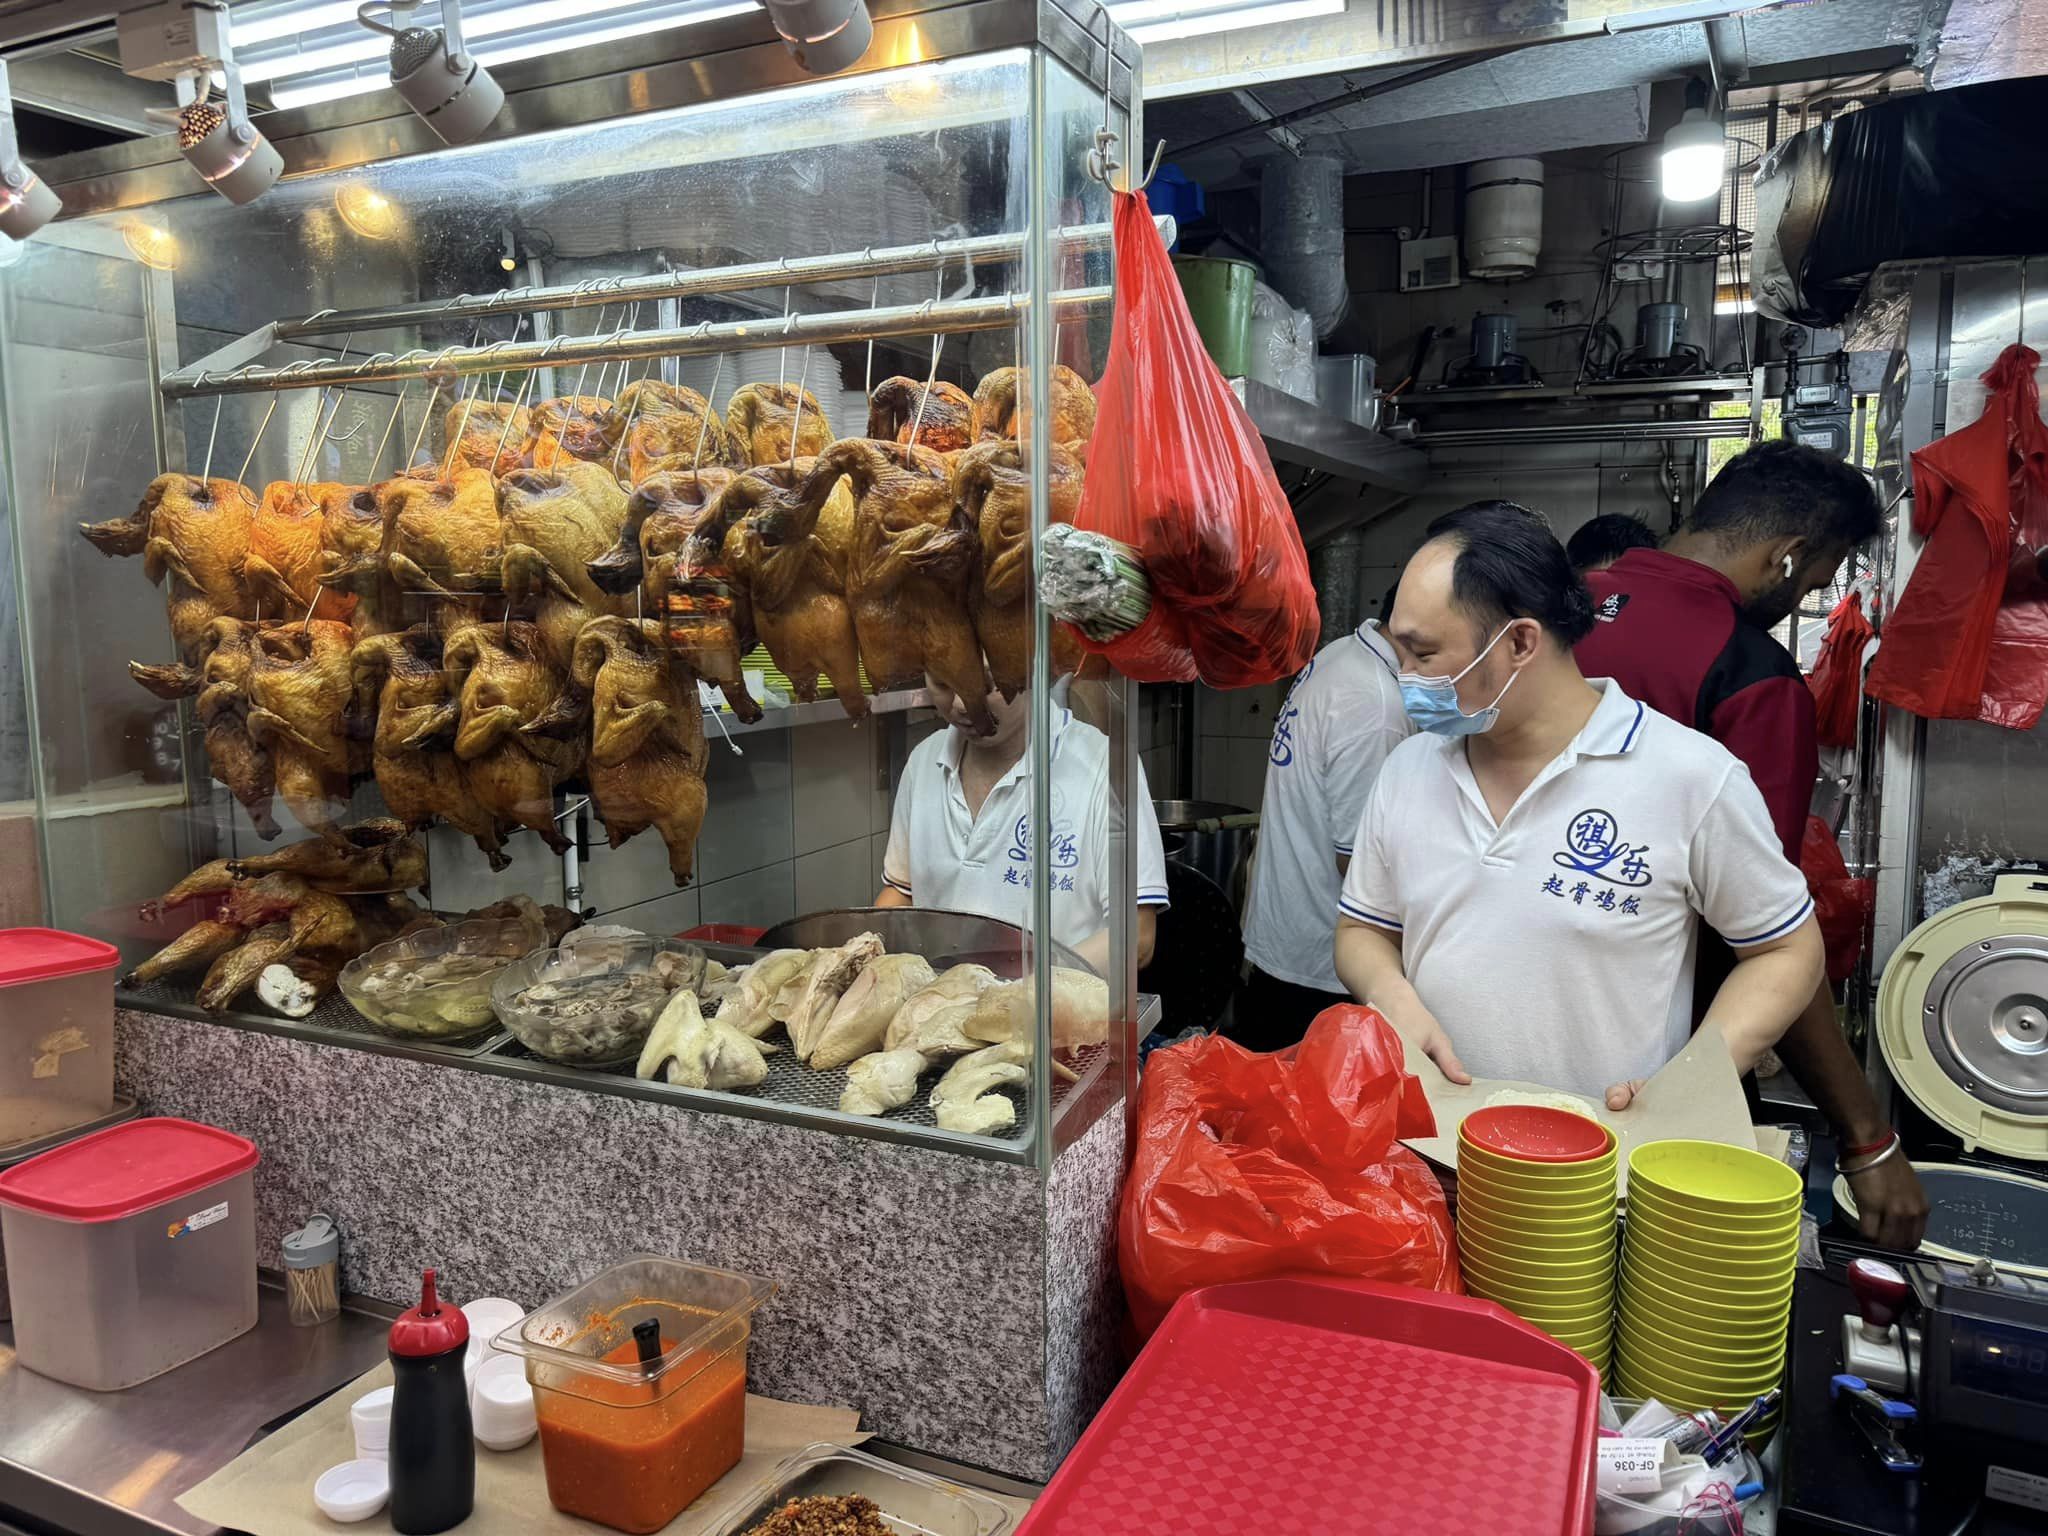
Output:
x,y
206,470
1158,152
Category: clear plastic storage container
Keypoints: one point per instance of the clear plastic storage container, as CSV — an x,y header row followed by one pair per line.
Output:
x,y
56,1032
630,1440
909,1501
131,1251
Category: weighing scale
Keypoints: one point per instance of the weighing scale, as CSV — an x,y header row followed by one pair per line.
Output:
x,y
1962,1020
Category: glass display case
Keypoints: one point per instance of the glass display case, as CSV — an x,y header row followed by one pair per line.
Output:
x,y
381,576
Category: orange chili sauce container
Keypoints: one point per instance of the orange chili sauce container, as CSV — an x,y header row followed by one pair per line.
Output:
x,y
629,1443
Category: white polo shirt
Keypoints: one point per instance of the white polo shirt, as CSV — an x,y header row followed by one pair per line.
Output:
x,y
1557,947
940,856
1342,717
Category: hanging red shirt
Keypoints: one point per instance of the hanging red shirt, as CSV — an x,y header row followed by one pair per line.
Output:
x,y
1671,632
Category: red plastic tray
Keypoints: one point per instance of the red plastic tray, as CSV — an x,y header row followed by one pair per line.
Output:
x,y
1309,1407
724,933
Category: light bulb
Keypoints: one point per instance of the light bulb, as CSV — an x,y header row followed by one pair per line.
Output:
x,y
1695,159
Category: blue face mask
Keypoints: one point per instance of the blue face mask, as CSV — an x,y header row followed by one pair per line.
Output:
x,y
1432,702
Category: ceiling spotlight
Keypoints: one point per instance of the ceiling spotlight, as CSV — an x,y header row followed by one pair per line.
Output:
x,y
151,244
439,78
1695,159
26,201
367,211
825,36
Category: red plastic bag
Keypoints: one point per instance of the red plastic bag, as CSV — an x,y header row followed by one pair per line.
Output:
x,y
1841,903
1177,471
1969,637
1252,1165
1837,676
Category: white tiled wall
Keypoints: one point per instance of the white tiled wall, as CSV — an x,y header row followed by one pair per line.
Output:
x,y
1233,732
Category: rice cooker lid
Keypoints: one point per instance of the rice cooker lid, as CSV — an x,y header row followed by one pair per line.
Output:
x,y
1963,1018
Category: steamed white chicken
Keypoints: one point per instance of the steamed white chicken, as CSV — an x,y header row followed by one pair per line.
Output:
x,y
700,1052
931,1021
977,1117
831,972
864,1011
965,1099
881,1082
747,1008
1080,1010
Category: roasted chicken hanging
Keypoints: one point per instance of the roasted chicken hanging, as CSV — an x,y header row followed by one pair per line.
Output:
x,y
945,424
351,559
913,562
992,482
492,435
413,752
443,534
762,418
571,427
646,737
522,729
220,682
666,427
554,523
795,593
286,566
194,534
1003,399
303,689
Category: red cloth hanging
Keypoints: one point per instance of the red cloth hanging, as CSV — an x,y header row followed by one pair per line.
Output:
x,y
1837,676
1969,638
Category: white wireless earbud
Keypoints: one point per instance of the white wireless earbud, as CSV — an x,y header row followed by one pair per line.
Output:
x,y
1788,567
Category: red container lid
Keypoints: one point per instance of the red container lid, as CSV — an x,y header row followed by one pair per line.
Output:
x,y
125,1169
1534,1133
434,1327
47,954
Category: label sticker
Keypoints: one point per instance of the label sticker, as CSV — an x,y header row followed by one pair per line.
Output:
x,y
2027,1489
198,1219
1631,1466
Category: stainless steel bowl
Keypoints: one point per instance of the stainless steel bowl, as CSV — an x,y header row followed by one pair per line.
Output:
x,y
943,938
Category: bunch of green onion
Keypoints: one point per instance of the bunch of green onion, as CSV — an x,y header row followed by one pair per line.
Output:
x,y
1093,582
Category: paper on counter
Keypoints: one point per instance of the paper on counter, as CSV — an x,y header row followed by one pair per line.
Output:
x,y
268,1489
1697,1096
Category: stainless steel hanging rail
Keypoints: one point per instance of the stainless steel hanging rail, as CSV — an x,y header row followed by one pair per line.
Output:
x,y
824,328
792,270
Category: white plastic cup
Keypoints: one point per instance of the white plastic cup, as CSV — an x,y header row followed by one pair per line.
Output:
x,y
353,1491
370,1417
501,1404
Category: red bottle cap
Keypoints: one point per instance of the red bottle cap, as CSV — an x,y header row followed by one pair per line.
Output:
x,y
431,1328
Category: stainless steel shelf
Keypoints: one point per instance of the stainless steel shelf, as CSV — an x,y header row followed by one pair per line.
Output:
x,y
1710,386
1298,432
820,711
1688,431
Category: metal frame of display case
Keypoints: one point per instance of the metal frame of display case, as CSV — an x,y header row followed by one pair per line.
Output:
x,y
736,57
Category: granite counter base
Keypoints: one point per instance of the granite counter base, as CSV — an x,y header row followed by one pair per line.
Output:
x,y
919,1286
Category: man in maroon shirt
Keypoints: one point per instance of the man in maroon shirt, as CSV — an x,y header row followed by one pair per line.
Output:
x,y
1686,629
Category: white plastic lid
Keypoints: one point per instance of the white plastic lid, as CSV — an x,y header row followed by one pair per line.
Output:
x,y
353,1491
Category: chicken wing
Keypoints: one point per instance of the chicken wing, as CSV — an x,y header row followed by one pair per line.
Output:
x,y
992,481
570,427
195,534
443,534
900,411
303,692
554,523
286,566
914,557
796,592
647,752
413,752
520,732
762,419
1002,401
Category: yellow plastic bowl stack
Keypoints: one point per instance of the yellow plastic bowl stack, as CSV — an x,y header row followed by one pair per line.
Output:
x,y
1536,1221
1706,1275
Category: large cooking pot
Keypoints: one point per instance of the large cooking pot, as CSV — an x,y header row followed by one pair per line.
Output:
x,y
1213,837
943,938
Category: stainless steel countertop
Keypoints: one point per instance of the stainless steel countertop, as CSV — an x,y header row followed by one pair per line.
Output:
x,y
113,1463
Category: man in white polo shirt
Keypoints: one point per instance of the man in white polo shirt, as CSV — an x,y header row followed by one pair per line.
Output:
x,y
960,831
1530,873
1342,717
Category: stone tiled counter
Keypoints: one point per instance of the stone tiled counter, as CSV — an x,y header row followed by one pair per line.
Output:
x,y
966,1307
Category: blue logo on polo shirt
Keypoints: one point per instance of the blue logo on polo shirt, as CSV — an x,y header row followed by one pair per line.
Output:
x,y
1063,850
1593,846
1282,751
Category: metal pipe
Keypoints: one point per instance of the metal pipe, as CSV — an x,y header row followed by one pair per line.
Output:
x,y
1588,432
798,270
821,329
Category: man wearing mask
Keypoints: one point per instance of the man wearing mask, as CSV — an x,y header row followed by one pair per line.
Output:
x,y
1687,630
1530,873
1342,717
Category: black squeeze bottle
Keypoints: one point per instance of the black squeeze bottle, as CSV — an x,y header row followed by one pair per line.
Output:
x,y
433,1452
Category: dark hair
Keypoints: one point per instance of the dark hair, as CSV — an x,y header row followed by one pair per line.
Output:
x,y
1511,566
1781,489
1606,538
